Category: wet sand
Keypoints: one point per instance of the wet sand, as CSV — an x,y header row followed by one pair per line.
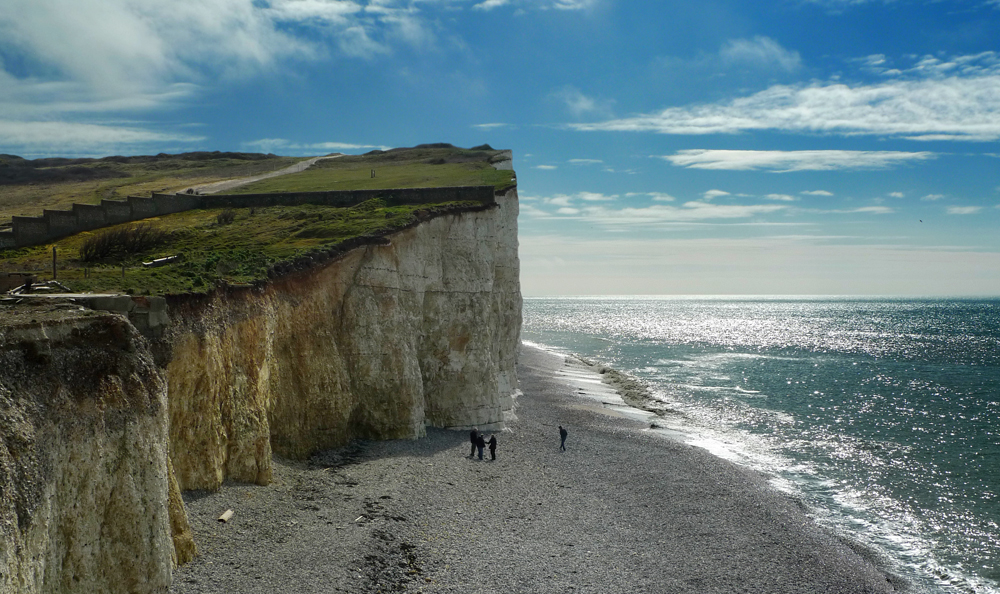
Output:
x,y
623,509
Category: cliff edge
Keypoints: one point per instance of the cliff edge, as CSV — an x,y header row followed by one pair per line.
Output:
x,y
96,439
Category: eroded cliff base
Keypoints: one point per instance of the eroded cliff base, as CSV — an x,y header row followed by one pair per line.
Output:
x,y
83,456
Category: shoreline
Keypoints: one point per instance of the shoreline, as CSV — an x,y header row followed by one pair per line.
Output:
x,y
622,510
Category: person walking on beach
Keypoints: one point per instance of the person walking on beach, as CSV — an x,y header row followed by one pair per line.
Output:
x,y
493,447
480,443
474,438
562,438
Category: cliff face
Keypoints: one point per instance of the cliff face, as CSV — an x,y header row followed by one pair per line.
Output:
x,y
379,344
96,440
84,476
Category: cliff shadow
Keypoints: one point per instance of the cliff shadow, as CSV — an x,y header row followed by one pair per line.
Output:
x,y
357,451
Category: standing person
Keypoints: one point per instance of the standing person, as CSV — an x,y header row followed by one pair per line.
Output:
x,y
480,443
562,438
493,447
474,438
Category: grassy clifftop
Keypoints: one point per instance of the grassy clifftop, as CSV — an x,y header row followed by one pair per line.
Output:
x,y
419,167
241,245
28,186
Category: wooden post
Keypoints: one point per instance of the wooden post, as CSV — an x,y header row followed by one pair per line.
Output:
x,y
53,262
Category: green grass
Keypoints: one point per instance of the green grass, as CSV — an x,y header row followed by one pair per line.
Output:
x,y
212,254
137,179
241,252
412,168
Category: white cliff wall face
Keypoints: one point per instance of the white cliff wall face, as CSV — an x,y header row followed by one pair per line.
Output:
x,y
83,466
378,344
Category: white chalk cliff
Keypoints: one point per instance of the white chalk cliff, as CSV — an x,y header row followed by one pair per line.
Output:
x,y
95,439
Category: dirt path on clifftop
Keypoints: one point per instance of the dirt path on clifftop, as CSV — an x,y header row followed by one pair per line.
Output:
x,y
622,510
229,184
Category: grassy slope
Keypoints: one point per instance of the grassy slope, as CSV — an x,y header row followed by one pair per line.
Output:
x,y
414,168
137,179
242,251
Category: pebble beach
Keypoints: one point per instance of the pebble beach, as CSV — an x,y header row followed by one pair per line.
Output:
x,y
623,509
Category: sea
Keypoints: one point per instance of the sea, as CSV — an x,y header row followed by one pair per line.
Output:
x,y
882,415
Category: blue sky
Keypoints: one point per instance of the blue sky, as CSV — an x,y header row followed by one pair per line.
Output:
x,y
711,147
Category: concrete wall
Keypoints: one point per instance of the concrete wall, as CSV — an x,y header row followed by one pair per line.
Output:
x,y
55,224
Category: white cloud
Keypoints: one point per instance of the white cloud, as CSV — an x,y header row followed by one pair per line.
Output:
x,y
781,197
816,193
573,4
491,126
92,57
596,197
963,210
597,209
786,161
491,4
874,210
878,210
709,195
957,99
688,212
656,196
933,197
547,167
558,200
579,104
31,139
760,51
586,161
897,194
286,147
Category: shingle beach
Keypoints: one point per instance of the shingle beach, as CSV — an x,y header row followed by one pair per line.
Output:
x,y
623,509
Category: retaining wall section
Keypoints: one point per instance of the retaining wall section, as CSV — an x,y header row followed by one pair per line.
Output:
x,y
55,224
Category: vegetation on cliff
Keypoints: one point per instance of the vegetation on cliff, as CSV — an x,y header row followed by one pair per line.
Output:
x,y
239,246
424,166
28,186
212,251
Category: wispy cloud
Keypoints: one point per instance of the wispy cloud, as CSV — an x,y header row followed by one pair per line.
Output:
x,y
957,99
760,51
781,197
688,212
601,210
933,197
816,193
963,210
786,161
656,196
31,139
709,195
488,5
490,126
547,167
579,104
287,147
491,4
91,59
586,161
876,210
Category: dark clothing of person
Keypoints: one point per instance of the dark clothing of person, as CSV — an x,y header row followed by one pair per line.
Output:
x,y
562,439
474,438
493,447
480,443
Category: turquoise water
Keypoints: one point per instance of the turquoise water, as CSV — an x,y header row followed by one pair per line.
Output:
x,y
882,414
